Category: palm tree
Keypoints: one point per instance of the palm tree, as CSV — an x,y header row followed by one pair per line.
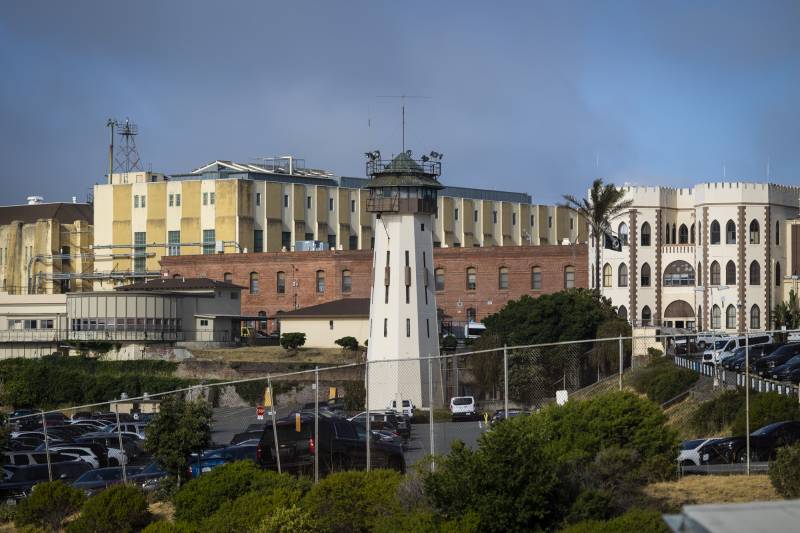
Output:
x,y
604,203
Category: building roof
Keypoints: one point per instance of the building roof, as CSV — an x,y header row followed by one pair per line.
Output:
x,y
178,284
737,517
402,171
64,212
345,308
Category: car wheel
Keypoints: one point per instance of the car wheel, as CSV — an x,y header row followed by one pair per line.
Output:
x,y
687,462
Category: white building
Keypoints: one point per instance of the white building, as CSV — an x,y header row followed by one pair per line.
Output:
x,y
708,257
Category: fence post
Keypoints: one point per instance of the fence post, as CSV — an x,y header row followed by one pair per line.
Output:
x,y
505,381
368,422
274,426
47,448
747,396
124,460
621,361
430,406
316,424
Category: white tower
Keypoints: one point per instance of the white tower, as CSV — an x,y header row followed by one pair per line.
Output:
x,y
402,314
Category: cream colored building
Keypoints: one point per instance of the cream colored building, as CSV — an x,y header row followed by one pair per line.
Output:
x,y
324,324
227,207
791,273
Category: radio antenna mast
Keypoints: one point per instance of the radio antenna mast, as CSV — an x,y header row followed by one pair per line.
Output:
x,y
402,98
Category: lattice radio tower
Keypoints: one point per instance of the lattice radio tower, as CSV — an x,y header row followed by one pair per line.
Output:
x,y
125,158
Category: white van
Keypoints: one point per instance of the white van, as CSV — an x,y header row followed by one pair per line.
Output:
x,y
463,407
473,330
724,348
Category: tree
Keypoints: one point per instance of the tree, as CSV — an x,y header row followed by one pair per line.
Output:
x,y
179,428
48,505
449,343
293,340
787,313
348,343
118,509
604,203
605,354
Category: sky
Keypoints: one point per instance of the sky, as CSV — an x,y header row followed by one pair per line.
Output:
x,y
536,97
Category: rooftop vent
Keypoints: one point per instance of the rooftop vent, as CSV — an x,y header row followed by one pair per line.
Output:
x,y
33,200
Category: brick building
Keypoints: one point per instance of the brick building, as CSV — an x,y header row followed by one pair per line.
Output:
x,y
469,282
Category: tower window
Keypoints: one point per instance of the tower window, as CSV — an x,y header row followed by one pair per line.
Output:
x,y
280,282
408,327
385,327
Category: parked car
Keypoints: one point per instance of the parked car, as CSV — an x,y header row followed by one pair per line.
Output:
x,y
25,458
788,371
724,348
765,365
764,442
116,457
94,481
706,338
133,428
209,460
501,415
149,478
407,408
247,435
463,407
695,452
94,454
22,479
389,420
757,353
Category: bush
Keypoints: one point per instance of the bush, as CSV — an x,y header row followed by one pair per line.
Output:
x,y
203,496
163,526
449,343
355,395
716,415
638,520
661,380
766,408
354,501
118,509
292,341
245,512
784,472
348,343
48,505
654,353
289,520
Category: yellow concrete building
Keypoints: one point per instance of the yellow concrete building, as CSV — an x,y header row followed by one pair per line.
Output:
x,y
227,207
45,248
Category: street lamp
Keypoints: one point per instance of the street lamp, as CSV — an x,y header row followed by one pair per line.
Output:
x,y
746,383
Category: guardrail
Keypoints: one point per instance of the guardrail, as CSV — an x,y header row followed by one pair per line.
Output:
x,y
738,379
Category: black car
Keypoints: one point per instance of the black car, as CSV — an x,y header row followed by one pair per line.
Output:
x,y
757,352
788,371
22,479
339,446
501,415
764,443
94,481
248,435
764,366
385,420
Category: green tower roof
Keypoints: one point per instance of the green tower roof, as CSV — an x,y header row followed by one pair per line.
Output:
x,y
403,171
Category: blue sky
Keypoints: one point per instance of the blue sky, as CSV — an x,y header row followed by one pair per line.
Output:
x,y
539,97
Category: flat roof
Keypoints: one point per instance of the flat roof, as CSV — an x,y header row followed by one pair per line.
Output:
x,y
737,517
345,308
178,284
64,212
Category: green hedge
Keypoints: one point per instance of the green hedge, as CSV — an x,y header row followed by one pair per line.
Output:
x,y
726,412
661,380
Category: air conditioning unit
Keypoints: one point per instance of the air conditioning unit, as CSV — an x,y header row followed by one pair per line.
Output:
x,y
219,247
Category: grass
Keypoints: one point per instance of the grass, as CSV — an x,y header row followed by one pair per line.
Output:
x,y
276,354
691,490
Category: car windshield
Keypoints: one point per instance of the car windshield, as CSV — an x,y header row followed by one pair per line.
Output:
x,y
720,344
691,444
462,401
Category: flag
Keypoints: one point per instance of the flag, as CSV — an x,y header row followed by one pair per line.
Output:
x,y
612,242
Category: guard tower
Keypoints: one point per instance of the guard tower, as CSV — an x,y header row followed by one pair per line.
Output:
x,y
402,314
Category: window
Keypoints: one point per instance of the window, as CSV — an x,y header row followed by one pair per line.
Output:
x,y
715,273
330,204
730,317
622,233
455,214
502,282
209,239
569,277
777,233
438,276
471,314
173,241
347,281
777,274
309,237
755,273
716,317
536,278
177,200
549,222
285,200
699,273
408,327
494,217
715,232
678,274
135,201
755,317
228,277
645,234
666,235
308,202
171,200
352,206
693,240
622,275
422,227
514,219
331,241
212,198
606,275
645,278
253,282
730,232
571,223
622,312
683,234
730,273
385,327
647,316
755,234
205,198
258,240
280,282
258,199
428,327
320,281
330,324
475,216
286,240
352,242
471,279
139,251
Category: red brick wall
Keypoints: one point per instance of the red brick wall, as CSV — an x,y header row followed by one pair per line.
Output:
x,y
302,266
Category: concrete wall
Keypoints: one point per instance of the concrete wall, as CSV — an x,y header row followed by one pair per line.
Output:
x,y
323,332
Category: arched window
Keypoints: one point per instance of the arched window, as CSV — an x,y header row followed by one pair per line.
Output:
x,y
777,274
622,312
472,276
320,281
683,234
502,278
622,232
716,317
536,278
755,317
755,235
471,314
715,274
177,276
777,233
730,317
253,282
645,278
692,234
280,282
730,273
678,273
699,273
666,235
622,275
569,277
647,316
730,232
755,273
438,275
674,229
228,277
715,232
645,240
347,281
699,314
607,275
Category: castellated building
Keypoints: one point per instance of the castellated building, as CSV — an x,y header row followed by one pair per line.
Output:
x,y
710,257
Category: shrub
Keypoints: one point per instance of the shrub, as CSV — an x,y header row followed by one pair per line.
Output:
x,y
348,343
292,341
714,416
163,526
289,520
654,352
661,380
592,505
784,472
449,343
766,408
202,496
638,520
245,512
354,501
355,395
118,509
48,505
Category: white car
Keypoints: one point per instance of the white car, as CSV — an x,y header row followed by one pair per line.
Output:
x,y
408,408
463,407
724,348
690,452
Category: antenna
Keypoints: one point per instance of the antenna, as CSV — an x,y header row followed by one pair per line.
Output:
x,y
126,158
402,98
